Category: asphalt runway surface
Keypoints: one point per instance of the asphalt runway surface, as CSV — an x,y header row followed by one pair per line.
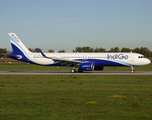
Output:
x,y
76,73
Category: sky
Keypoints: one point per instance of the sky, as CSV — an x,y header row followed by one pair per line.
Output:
x,y
67,24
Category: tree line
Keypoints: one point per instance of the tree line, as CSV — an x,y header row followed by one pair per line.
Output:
x,y
50,50
142,50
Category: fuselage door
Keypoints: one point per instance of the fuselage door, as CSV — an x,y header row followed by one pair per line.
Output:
x,y
59,56
131,57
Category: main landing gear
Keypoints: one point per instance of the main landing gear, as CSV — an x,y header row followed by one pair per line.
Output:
x,y
132,69
73,70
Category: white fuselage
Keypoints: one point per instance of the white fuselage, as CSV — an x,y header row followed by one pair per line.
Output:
x,y
114,59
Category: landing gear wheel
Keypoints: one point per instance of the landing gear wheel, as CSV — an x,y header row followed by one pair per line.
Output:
x,y
132,71
72,70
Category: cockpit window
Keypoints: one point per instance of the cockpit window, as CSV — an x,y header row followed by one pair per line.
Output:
x,y
141,56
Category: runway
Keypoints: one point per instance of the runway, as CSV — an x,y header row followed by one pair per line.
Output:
x,y
68,73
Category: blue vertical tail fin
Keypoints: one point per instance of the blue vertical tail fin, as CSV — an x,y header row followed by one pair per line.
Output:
x,y
17,46
20,52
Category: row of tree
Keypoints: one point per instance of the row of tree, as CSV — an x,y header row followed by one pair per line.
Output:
x,y
3,52
50,50
143,50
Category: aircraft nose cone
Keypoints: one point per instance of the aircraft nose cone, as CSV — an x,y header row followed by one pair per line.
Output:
x,y
148,61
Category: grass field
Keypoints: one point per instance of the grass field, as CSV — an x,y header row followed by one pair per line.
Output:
x,y
75,97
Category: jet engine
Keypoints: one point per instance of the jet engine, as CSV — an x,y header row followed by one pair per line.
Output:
x,y
87,66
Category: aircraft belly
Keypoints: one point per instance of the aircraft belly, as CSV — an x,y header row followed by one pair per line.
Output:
x,y
42,61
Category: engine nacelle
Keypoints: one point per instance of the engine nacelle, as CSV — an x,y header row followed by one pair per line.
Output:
x,y
98,67
87,66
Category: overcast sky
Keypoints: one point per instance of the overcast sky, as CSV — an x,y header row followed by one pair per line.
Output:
x,y
67,24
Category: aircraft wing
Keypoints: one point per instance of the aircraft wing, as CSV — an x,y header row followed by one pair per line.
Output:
x,y
67,61
62,60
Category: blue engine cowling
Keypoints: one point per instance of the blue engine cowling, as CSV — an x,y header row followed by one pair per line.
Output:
x,y
87,66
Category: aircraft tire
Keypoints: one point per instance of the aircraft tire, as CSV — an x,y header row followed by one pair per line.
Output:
x,y
132,71
72,70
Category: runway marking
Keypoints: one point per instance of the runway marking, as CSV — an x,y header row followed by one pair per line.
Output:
x,y
68,73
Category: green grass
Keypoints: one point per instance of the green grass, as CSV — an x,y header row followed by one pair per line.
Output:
x,y
31,67
75,97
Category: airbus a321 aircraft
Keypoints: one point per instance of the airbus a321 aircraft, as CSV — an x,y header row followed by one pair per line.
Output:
x,y
84,61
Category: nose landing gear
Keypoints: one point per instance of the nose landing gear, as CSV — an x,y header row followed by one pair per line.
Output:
x,y
132,69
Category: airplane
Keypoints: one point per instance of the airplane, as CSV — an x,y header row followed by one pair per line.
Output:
x,y
84,61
